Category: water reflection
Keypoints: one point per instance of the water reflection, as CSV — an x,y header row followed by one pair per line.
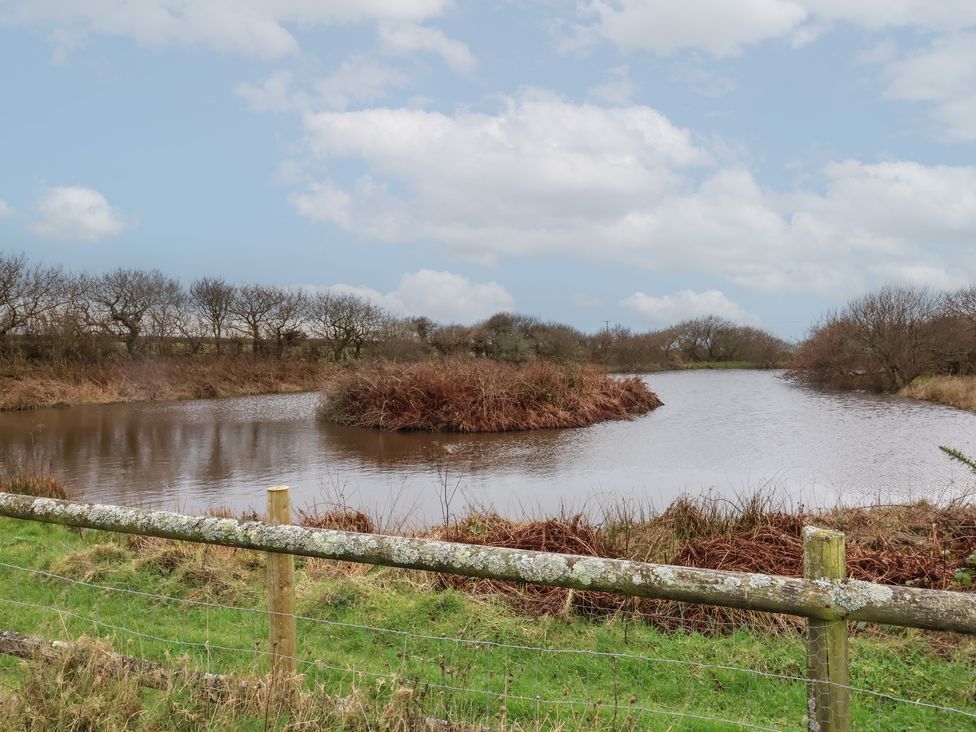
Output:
x,y
726,431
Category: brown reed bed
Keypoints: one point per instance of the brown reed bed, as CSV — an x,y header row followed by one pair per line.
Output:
x,y
954,391
479,395
34,386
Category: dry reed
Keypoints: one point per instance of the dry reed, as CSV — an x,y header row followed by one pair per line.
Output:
x,y
476,395
954,391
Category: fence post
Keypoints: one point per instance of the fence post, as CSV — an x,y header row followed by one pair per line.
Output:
x,y
281,591
828,697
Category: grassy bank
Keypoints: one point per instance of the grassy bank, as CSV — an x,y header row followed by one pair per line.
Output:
x,y
33,385
954,391
479,395
423,669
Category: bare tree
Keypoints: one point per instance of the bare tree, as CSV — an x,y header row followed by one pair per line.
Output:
x,y
345,321
286,317
125,298
212,299
252,306
27,292
962,303
893,326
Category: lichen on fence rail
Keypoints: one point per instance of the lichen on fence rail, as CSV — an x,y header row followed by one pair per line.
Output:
x,y
826,599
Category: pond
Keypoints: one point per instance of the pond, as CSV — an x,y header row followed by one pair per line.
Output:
x,y
726,432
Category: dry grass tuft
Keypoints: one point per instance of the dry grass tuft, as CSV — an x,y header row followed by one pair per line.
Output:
x,y
17,477
478,395
955,391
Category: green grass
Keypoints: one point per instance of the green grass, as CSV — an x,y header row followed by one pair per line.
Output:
x,y
905,664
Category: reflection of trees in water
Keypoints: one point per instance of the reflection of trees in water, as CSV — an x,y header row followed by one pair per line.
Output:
x,y
538,451
134,452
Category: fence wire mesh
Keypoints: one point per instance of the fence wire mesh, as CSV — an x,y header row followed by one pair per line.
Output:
x,y
499,673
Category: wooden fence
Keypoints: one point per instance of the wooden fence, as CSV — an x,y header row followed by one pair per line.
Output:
x,y
823,596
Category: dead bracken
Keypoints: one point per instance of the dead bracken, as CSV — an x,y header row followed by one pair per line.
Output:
x,y
478,395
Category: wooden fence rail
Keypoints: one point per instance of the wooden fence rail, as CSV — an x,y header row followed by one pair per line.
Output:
x,y
823,596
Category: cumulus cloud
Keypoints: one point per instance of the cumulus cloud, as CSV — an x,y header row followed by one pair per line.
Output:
x,y
256,28
75,212
685,305
717,27
943,74
723,28
443,296
359,79
546,176
5,209
411,37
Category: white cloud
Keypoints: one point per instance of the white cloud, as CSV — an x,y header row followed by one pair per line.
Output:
x,y
618,90
75,212
273,94
943,74
723,28
685,305
545,176
256,28
358,79
405,38
718,27
443,296
5,209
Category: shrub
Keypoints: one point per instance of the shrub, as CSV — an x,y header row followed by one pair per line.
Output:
x,y
479,395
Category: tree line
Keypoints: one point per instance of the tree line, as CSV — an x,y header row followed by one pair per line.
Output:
x,y
49,314
887,338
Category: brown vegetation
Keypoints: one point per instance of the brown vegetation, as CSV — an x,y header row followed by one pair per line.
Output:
x,y
31,386
478,395
954,391
887,339
79,338
920,545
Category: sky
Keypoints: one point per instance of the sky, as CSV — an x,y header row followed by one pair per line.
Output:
x,y
612,161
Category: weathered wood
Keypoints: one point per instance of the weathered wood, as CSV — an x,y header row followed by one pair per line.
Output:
x,y
281,592
828,695
826,599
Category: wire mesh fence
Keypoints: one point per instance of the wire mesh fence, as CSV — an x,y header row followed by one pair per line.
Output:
x,y
495,670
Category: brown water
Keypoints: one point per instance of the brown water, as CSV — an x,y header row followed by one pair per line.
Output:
x,y
729,432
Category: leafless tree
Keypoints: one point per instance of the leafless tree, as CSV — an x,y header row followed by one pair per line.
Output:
x,y
345,321
893,325
212,299
252,307
27,292
126,297
284,321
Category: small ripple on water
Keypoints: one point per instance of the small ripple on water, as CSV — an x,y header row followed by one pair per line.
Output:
x,y
726,431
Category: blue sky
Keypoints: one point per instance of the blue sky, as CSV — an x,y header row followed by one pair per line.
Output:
x,y
631,161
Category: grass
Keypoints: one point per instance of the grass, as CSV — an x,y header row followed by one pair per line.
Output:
x,y
478,395
402,686
954,391
33,386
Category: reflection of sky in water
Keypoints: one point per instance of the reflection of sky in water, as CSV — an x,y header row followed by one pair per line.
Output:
x,y
726,431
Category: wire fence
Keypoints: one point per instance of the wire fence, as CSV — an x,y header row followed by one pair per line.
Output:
x,y
495,681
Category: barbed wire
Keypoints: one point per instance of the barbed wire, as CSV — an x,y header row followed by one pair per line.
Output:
x,y
475,642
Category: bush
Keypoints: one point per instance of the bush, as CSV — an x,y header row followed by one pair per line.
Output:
x,y
479,395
